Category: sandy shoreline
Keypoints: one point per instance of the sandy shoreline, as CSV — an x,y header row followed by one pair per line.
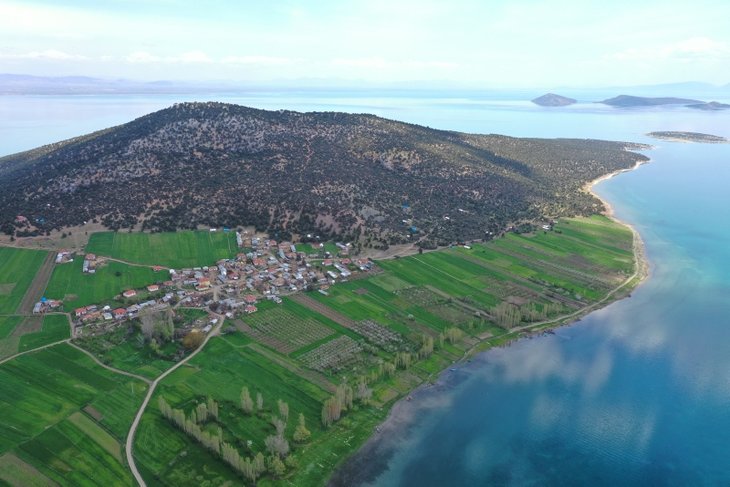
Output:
x,y
372,457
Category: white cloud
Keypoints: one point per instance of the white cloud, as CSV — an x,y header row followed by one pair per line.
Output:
x,y
380,63
50,54
195,56
692,48
144,57
263,60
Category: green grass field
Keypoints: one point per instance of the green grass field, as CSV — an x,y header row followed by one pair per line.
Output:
x,y
43,426
65,418
77,289
221,370
171,249
18,267
55,328
19,333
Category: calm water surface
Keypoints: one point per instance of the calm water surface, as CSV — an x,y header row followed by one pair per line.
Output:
x,y
635,394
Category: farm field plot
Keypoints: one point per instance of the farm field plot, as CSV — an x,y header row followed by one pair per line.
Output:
x,y
20,333
43,394
221,371
169,249
363,299
77,452
77,289
584,256
335,354
285,330
18,267
54,328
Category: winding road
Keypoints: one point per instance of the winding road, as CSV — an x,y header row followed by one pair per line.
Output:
x,y
133,429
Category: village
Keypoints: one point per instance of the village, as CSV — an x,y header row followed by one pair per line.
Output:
x,y
264,270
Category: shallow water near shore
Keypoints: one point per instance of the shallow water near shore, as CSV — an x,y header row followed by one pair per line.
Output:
x,y
636,393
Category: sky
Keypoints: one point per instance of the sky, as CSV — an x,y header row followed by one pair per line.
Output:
x,y
489,43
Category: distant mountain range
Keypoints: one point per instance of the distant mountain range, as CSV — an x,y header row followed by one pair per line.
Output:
x,y
357,177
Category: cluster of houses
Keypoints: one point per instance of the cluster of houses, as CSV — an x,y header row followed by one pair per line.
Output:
x,y
89,265
64,256
46,305
269,270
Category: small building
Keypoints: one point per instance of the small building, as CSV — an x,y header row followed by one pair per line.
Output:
x,y
80,312
37,307
249,299
250,309
119,313
153,288
129,293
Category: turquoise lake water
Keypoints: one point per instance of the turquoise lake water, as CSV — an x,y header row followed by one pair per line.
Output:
x,y
637,393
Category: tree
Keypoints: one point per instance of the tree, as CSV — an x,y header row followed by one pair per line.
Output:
x,y
202,412
283,410
193,340
259,401
363,392
165,408
259,464
277,445
276,466
331,411
213,408
301,433
279,425
246,401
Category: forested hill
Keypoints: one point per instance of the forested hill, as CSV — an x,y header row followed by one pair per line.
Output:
x,y
287,172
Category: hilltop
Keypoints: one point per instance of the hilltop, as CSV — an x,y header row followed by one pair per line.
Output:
x,y
353,176
553,100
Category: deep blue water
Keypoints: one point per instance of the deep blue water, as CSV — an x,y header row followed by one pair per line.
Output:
x,y
635,394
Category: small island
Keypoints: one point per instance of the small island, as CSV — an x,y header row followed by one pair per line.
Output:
x,y
628,101
553,100
688,137
710,106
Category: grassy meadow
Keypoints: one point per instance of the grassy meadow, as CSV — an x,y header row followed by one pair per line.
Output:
x,y
64,419
169,249
21,333
77,289
18,267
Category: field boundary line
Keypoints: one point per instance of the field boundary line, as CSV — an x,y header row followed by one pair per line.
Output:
x,y
38,285
47,345
640,272
102,364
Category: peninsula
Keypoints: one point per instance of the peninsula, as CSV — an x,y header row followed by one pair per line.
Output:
x,y
246,349
688,137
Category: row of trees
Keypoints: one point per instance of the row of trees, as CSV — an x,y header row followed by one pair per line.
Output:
x,y
508,315
212,439
343,400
